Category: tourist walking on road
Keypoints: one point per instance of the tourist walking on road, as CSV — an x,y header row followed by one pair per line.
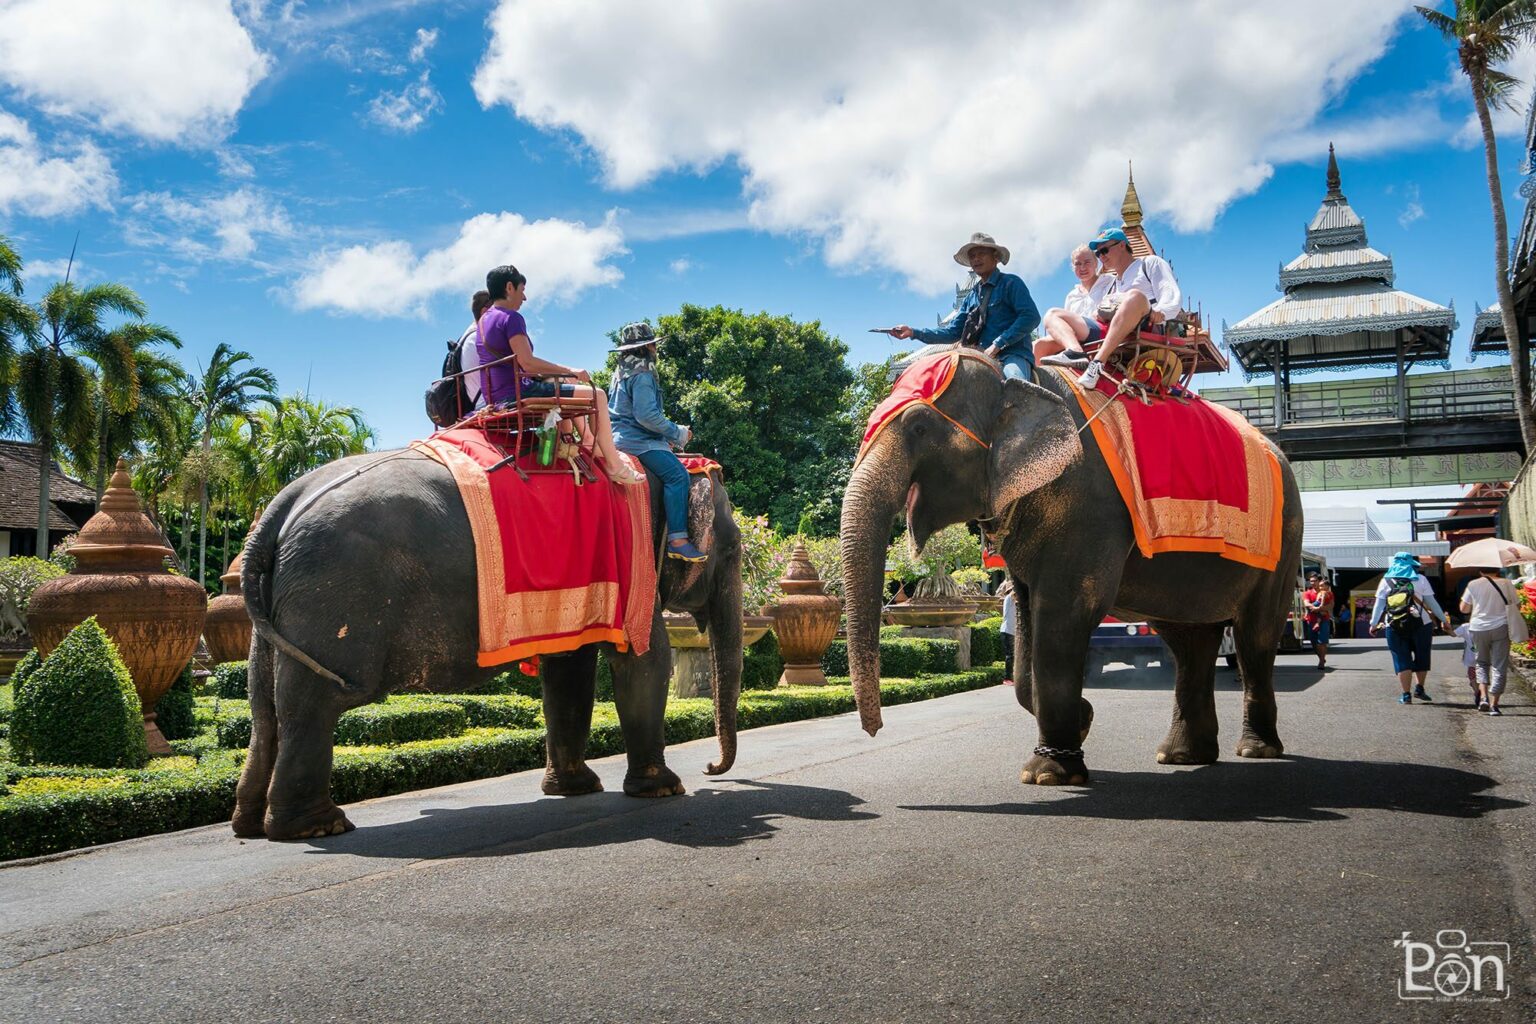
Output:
x,y
1010,628
1487,602
1319,618
1410,611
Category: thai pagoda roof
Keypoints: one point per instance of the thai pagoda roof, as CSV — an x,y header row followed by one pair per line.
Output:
x,y
1339,308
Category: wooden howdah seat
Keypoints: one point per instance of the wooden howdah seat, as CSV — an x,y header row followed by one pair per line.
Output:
x,y
513,425
1160,360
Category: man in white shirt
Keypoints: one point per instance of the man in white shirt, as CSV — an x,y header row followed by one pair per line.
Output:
x,y
1144,289
469,352
1082,302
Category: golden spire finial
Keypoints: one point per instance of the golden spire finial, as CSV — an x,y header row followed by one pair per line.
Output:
x,y
1130,210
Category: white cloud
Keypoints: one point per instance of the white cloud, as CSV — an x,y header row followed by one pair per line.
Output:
x,y
1412,209
38,182
560,258
166,70
54,270
224,226
680,266
890,131
407,110
425,40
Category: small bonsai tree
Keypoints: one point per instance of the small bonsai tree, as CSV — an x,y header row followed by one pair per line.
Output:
x,y
952,548
19,577
80,707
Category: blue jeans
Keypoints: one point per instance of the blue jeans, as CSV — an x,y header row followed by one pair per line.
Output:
x,y
668,468
1018,364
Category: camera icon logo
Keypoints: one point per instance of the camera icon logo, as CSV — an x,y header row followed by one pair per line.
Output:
x,y
1453,969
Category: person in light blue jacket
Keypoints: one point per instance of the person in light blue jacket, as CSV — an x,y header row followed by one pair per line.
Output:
x,y
641,429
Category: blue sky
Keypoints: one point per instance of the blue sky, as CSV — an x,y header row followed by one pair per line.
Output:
x,y
322,184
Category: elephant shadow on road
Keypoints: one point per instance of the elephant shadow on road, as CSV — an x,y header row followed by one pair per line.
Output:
x,y
745,811
1291,790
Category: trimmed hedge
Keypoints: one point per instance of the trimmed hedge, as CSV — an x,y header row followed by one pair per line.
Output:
x,y
761,664
60,809
400,719
229,680
80,707
987,641
497,711
902,656
176,713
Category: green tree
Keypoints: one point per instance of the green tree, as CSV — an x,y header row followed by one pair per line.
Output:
x,y
227,388
766,396
297,434
72,354
151,419
18,323
1486,34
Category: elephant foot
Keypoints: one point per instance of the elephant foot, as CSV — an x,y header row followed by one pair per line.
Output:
x,y
1052,767
1253,745
1188,753
574,783
1085,719
653,780
248,822
324,821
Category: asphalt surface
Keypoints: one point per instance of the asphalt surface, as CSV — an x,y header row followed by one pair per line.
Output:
x,y
834,877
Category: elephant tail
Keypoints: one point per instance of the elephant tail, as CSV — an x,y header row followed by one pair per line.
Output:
x,y
256,571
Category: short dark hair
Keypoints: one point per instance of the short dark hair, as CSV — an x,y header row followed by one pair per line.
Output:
x,y
479,303
499,278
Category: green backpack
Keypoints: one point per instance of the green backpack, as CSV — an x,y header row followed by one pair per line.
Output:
x,y
1402,606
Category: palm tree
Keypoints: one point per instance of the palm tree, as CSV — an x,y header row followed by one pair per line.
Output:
x,y
225,389
72,354
151,420
1487,33
298,434
18,322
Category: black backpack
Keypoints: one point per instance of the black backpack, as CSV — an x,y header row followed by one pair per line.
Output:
x,y
447,400
1402,605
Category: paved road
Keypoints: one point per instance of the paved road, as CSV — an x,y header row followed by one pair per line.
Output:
x,y
839,878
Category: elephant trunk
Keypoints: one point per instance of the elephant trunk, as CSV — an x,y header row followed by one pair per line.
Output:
x,y
725,652
870,504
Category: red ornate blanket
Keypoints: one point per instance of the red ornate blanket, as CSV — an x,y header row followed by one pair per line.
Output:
x,y
559,566
923,381
1195,477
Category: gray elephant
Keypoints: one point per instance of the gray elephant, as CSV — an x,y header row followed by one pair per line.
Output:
x,y
1008,454
360,580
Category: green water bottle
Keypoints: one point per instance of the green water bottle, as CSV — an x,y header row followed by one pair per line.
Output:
x,y
547,444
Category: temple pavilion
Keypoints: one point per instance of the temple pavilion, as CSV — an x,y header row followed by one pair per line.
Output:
x,y
1339,310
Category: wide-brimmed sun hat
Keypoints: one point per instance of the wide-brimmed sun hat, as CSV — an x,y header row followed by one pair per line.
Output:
x,y
637,335
984,240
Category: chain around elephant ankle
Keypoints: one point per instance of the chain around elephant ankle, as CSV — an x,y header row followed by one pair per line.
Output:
x,y
1057,753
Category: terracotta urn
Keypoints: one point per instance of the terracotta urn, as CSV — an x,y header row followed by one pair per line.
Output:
x,y
153,617
805,620
227,630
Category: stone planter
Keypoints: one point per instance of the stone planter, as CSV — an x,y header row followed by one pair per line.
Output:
x,y
691,663
227,629
153,617
987,607
805,620
930,613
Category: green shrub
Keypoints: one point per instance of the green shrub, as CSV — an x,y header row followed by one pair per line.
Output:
x,y
513,682
497,711
19,577
229,680
835,661
986,641
399,720
761,664
901,657
29,664
176,712
80,708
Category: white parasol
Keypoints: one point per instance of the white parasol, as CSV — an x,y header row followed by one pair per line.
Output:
x,y
1489,553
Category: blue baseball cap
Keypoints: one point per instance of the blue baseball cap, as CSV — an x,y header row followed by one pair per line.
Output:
x,y
1107,236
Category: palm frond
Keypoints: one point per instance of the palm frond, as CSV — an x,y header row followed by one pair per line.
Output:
x,y
10,266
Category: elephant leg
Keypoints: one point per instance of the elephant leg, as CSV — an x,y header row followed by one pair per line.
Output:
x,y
299,804
256,776
1058,697
1191,738
1256,663
640,692
1023,663
570,683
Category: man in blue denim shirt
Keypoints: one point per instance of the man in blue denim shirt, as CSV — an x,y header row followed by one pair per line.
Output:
x,y
1003,327
641,429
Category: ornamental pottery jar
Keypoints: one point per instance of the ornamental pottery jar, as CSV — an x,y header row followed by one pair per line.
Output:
x,y
227,629
805,619
153,617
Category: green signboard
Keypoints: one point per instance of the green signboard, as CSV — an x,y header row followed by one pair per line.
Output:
x,y
1413,471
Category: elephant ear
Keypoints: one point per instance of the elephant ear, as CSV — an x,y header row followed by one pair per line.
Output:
x,y
1034,442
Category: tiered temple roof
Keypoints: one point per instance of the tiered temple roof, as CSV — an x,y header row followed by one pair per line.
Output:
x,y
1339,308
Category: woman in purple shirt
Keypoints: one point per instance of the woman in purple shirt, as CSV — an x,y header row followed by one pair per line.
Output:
x,y
503,332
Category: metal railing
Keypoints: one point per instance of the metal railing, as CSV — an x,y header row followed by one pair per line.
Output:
x,y
1377,399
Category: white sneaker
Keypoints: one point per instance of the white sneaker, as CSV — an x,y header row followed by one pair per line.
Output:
x,y
1090,376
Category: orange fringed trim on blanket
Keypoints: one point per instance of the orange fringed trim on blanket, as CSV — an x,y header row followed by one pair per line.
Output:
x,y
1195,477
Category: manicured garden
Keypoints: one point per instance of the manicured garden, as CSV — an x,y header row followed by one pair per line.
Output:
x,y
110,790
